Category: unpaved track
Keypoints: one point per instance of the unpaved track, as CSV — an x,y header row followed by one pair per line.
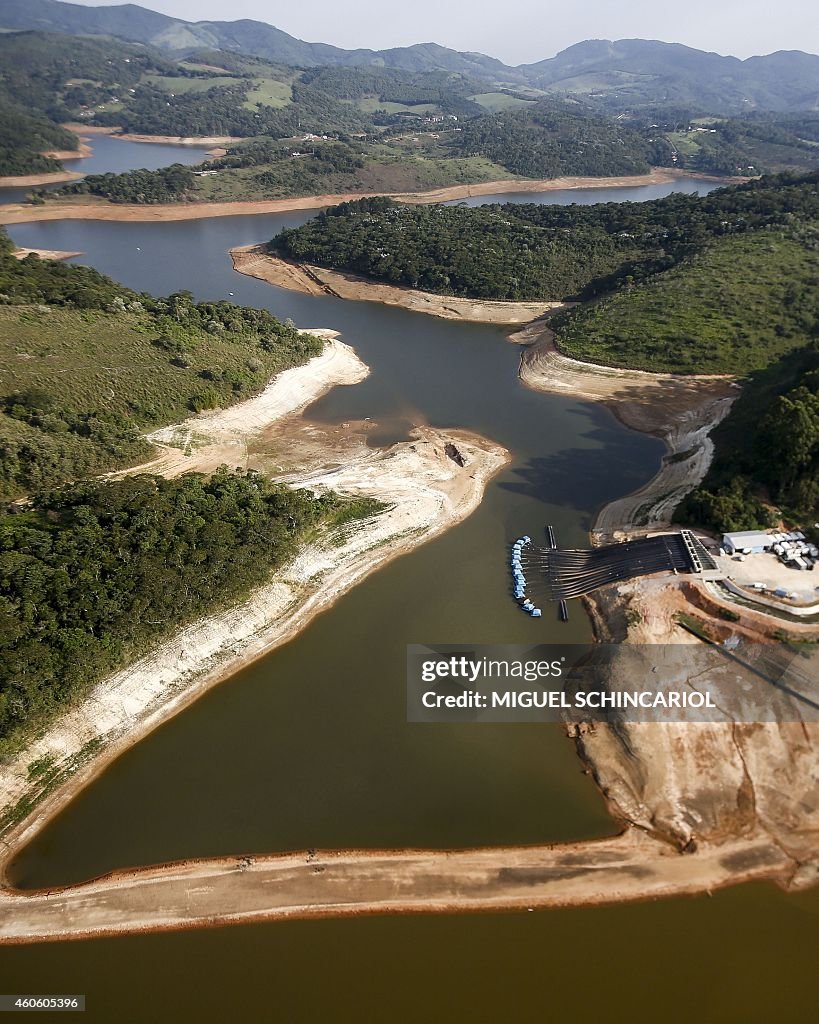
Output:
x,y
223,891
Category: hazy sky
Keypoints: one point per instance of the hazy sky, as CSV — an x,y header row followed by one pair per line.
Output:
x,y
522,31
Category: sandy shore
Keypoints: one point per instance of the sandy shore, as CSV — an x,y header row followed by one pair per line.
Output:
x,y
26,180
79,128
426,492
19,213
182,140
344,883
44,254
681,410
83,151
255,261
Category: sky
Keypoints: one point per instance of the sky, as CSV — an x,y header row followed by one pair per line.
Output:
x,y
523,31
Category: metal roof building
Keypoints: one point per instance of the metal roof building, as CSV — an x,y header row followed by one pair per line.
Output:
x,y
747,542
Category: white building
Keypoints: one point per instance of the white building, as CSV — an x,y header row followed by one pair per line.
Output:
x,y
747,542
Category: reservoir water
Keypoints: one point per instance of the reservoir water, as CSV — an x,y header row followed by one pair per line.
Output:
x,y
111,155
309,746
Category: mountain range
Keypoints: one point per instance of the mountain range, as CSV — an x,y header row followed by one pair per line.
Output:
x,y
627,72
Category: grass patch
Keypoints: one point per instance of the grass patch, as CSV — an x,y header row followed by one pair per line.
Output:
x,y
86,359
270,92
179,86
496,102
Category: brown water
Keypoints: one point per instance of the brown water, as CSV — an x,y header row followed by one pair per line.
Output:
x,y
310,747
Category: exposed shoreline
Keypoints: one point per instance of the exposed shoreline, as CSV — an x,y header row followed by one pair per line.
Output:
x,y
302,884
427,490
48,178
80,153
180,140
679,409
652,786
44,254
86,150
20,213
716,785
255,261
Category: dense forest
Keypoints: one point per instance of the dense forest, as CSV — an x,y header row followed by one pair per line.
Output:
x,y
91,364
23,139
538,251
166,185
767,448
551,139
94,573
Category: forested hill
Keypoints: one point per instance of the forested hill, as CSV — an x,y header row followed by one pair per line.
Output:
x,y
550,139
94,572
538,251
720,284
627,73
767,450
89,365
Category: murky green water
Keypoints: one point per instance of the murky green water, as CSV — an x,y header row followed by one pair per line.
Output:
x,y
309,747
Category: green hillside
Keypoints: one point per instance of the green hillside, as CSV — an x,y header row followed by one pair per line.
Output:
x,y
766,462
92,572
537,251
90,365
732,308
621,74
